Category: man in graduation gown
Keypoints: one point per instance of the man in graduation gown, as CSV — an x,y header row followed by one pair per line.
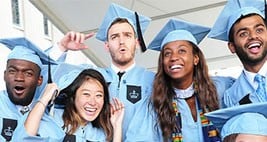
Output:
x,y
24,83
242,25
121,33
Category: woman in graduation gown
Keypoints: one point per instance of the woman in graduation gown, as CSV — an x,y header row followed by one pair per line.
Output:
x,y
87,115
183,90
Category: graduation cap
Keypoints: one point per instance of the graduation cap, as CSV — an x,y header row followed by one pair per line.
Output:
x,y
64,74
138,22
245,119
24,49
232,11
178,30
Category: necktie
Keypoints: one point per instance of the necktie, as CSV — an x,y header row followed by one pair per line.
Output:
x,y
261,90
120,74
24,110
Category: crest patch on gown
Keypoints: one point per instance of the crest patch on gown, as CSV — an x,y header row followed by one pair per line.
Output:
x,y
9,125
133,93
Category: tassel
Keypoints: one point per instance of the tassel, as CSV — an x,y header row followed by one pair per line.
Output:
x,y
139,33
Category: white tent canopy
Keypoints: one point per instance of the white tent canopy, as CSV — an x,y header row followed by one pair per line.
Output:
x,y
86,16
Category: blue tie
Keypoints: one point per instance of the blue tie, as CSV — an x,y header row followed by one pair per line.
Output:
x,y
261,90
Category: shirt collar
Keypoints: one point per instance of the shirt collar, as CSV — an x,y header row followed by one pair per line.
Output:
x,y
186,93
250,75
116,69
263,70
19,107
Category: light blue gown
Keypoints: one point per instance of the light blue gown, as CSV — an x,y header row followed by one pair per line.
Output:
x,y
239,90
51,131
10,114
134,90
222,84
8,117
192,130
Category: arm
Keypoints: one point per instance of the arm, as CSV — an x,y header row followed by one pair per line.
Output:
x,y
34,118
74,41
117,114
71,41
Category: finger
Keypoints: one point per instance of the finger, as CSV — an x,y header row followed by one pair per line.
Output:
x,y
119,103
116,104
87,36
72,35
112,108
81,38
77,37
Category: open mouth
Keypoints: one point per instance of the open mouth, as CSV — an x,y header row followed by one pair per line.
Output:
x,y
254,45
90,110
175,67
19,89
122,49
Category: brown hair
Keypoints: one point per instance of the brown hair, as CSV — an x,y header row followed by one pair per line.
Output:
x,y
71,117
163,93
230,138
231,32
119,21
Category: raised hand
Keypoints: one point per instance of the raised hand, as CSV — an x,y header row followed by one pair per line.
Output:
x,y
74,41
117,113
49,93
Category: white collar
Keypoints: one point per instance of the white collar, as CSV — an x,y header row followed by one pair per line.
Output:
x,y
116,69
263,70
183,94
20,107
250,75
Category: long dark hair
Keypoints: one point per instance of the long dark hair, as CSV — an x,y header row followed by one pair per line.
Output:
x,y
163,93
70,115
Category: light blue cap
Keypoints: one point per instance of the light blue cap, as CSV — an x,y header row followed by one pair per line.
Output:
x,y
23,49
178,30
116,11
232,11
64,74
245,119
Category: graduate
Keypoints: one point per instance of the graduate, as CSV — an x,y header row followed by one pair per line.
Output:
x,y
24,82
242,25
183,90
121,33
245,123
87,115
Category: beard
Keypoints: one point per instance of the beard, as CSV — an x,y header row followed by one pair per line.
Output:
x,y
245,58
20,101
122,60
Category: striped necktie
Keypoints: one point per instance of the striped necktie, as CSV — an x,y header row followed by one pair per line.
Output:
x,y
261,90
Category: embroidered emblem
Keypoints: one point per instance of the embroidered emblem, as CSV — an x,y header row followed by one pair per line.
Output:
x,y
133,93
9,125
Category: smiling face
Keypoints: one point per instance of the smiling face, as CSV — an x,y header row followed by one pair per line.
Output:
x,y
250,41
121,44
21,77
89,100
179,61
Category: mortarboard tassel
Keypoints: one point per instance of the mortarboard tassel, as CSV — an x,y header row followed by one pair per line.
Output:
x,y
49,80
139,33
